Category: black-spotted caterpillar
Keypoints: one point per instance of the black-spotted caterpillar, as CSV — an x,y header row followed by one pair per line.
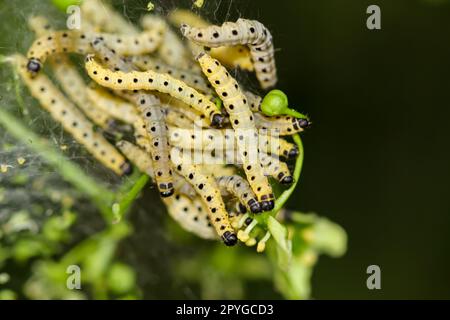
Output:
x,y
243,31
151,80
241,119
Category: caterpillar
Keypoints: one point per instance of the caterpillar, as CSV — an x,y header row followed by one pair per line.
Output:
x,y
154,121
191,215
151,80
239,187
241,119
177,119
101,14
73,41
207,139
191,79
207,188
73,121
231,56
69,78
281,125
172,50
276,168
112,105
195,116
246,32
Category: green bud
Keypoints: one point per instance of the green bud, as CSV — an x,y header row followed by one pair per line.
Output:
x,y
274,103
64,4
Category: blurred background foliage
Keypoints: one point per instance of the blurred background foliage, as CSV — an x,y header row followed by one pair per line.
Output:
x,y
376,163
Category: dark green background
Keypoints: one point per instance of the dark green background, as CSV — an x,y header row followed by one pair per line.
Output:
x,y
377,157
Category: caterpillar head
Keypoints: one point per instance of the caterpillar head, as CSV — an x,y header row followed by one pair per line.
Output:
x,y
34,65
267,205
126,168
229,238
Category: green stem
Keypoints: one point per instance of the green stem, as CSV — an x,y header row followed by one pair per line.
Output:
x,y
127,200
68,170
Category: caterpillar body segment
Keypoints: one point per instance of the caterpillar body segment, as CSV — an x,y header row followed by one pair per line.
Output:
x,y
177,119
151,80
239,187
281,125
196,117
73,121
193,80
277,169
243,31
73,41
242,120
111,105
191,215
207,188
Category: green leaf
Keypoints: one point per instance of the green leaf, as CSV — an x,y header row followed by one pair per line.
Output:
x,y
284,245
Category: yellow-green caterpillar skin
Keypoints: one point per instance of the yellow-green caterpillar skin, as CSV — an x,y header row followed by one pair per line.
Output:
x,y
242,120
73,121
207,188
80,42
191,215
69,78
281,125
154,120
243,31
191,79
151,80
240,188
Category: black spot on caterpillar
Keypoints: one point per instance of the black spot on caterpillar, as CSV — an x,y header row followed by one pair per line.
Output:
x,y
207,188
69,78
242,120
151,80
240,188
243,31
281,125
154,121
73,121
72,41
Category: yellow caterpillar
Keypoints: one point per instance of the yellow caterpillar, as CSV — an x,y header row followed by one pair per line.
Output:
x,y
191,79
207,188
281,125
151,80
231,56
73,41
73,121
241,119
246,32
69,78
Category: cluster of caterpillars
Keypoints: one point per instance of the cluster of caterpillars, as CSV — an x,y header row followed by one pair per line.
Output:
x,y
198,133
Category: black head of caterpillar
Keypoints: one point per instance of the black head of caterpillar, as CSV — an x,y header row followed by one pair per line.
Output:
x,y
34,65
